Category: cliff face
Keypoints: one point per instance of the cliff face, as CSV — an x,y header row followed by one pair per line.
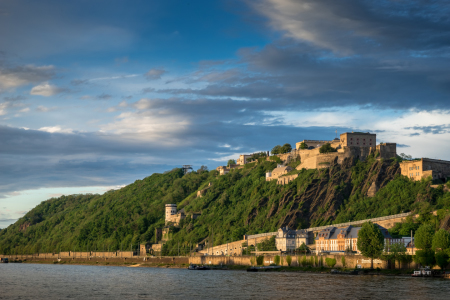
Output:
x,y
323,196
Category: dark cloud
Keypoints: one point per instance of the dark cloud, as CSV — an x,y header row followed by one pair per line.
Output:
x,y
369,26
154,74
15,76
14,98
104,96
32,159
79,81
434,129
403,146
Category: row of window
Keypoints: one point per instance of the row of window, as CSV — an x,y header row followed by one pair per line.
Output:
x,y
414,168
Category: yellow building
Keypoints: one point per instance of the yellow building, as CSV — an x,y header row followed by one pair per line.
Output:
x,y
424,168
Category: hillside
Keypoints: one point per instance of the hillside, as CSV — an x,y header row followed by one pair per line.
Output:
x,y
238,203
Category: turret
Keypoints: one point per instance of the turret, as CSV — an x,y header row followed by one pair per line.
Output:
x,y
171,209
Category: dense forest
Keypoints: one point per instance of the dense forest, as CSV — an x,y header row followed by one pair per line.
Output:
x,y
238,203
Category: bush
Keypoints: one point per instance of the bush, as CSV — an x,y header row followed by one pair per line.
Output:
x,y
303,145
252,260
331,262
277,260
289,260
304,263
343,261
441,259
326,148
311,261
316,260
260,260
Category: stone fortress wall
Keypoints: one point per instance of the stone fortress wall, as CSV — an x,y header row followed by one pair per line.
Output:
x,y
426,167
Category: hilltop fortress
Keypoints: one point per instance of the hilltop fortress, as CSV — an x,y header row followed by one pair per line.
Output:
x,y
357,144
349,144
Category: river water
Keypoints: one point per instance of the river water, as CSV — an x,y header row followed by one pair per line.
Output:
x,y
35,281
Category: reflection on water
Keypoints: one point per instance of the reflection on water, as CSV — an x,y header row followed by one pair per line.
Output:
x,y
33,281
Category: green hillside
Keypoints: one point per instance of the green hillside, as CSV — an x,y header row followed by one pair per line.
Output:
x,y
238,203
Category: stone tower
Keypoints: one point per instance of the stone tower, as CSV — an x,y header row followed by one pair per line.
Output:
x,y
171,209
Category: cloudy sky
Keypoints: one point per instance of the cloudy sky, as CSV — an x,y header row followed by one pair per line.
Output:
x,y
96,94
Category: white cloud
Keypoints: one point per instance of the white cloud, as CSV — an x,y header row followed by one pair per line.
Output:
x,y
46,89
56,129
42,108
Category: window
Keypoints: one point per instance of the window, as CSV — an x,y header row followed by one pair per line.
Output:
x,y
418,168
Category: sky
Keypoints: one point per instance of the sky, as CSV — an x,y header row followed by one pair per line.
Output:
x,y
97,94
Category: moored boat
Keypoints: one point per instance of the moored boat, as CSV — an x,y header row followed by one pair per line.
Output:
x,y
4,260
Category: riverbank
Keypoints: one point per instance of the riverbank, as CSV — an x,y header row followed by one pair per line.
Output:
x,y
151,264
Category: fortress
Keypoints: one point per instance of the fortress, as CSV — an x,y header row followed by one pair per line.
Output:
x,y
357,144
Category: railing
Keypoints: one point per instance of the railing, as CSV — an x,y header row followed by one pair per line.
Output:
x,y
255,236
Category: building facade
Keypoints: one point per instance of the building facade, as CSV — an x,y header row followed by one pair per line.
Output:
x,y
289,239
344,239
243,159
277,172
426,167
358,139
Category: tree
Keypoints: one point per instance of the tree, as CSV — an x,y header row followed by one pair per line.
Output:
x,y
423,239
370,241
260,260
303,145
405,156
276,150
267,245
286,148
441,259
425,257
231,162
202,169
331,262
326,148
303,249
397,252
441,240
276,260
289,260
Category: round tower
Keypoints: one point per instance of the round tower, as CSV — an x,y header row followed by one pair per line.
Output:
x,y
171,209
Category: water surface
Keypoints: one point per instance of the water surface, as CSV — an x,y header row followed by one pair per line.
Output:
x,y
36,281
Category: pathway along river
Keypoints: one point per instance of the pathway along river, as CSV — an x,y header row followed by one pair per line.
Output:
x,y
34,281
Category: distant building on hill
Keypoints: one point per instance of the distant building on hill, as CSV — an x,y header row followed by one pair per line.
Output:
x,y
277,172
173,217
350,144
426,167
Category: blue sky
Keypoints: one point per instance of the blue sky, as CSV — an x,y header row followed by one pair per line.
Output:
x,y
97,94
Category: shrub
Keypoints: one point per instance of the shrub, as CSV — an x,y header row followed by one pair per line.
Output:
x,y
311,261
277,260
252,260
304,263
282,261
343,261
289,260
326,148
331,262
260,260
316,260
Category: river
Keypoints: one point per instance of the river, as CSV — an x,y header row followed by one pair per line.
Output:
x,y
36,281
